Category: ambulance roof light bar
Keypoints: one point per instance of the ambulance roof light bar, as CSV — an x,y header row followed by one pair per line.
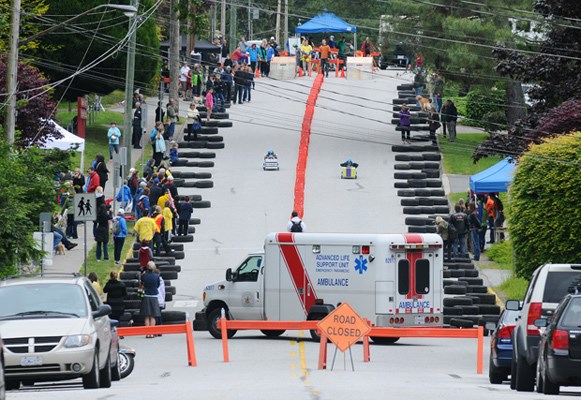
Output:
x,y
415,246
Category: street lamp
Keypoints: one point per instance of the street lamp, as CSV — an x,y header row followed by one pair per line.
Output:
x,y
11,80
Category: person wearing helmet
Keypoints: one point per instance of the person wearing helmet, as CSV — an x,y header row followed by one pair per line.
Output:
x,y
349,163
270,154
332,43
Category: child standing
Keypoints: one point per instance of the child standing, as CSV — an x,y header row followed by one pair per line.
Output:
x,y
404,123
185,213
145,255
173,152
209,102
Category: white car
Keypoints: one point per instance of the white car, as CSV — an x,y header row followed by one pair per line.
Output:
x,y
56,328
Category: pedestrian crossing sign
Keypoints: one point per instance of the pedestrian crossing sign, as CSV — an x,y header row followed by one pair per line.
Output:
x,y
85,207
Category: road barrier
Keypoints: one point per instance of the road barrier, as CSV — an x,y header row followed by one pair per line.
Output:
x,y
420,332
165,330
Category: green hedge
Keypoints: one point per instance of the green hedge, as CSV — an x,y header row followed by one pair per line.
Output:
x,y
545,198
487,103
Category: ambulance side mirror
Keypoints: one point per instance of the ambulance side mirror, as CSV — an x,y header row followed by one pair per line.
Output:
x,y
229,274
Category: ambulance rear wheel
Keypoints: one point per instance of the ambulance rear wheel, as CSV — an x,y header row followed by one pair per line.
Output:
x,y
384,340
213,318
315,317
273,333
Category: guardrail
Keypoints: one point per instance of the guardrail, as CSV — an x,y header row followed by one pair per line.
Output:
x,y
420,332
165,330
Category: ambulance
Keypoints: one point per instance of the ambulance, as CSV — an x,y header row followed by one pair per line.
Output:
x,y
393,280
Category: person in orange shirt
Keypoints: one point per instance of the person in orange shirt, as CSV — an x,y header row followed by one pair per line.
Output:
x,y
491,210
160,237
324,50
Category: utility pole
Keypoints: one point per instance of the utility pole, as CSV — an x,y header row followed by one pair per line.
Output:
x,y
12,78
277,33
249,20
174,51
233,36
129,77
213,22
285,35
223,19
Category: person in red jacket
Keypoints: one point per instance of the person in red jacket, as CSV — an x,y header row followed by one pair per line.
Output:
x,y
367,47
94,180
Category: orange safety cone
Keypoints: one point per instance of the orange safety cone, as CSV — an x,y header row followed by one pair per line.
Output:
x,y
257,72
342,73
301,74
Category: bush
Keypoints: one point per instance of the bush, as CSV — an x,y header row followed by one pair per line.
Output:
x,y
494,121
501,253
545,218
480,103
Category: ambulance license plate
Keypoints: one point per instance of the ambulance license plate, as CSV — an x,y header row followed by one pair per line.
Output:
x,y
419,320
31,361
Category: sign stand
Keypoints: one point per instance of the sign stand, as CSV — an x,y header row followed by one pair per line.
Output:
x,y
344,363
85,210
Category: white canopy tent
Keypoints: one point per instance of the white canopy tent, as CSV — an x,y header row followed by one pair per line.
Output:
x,y
66,142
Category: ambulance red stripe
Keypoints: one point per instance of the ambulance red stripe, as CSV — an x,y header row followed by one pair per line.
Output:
x,y
297,270
412,256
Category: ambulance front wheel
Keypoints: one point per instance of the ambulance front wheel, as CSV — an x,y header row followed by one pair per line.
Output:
x,y
273,333
213,318
315,317
384,340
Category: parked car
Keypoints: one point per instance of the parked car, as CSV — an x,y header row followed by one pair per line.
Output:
x,y
2,381
56,328
398,58
559,362
548,286
501,346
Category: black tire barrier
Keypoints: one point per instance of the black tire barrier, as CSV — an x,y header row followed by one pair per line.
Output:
x,y
183,174
422,192
459,266
426,209
131,268
196,145
431,173
401,149
417,221
202,175
449,282
208,130
457,273
409,100
169,275
195,221
206,164
225,124
402,157
425,201
455,310
478,289
446,274
434,183
132,304
173,317
174,268
183,239
406,94
401,185
192,163
168,296
189,154
401,167
207,154
191,229
440,201
458,301
204,184
432,156
215,146
158,260
409,202
131,283
414,108
437,193
180,163
413,128
215,139
488,318
413,120
424,165
489,309
411,210
402,175
485,298
406,193
405,86
471,273
129,275
193,197
470,310
417,183
215,115
461,323
201,204
170,289
189,184
417,229
456,289
473,280
441,210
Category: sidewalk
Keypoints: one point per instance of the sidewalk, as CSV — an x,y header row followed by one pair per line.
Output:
x,y
73,260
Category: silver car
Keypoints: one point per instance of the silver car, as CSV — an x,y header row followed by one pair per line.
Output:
x,y
56,328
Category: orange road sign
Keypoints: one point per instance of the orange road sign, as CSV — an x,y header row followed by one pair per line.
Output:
x,y
343,327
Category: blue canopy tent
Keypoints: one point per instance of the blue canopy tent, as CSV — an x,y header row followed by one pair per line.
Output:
x,y
494,179
327,22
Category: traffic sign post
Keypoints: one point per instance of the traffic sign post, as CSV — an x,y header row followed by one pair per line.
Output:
x,y
344,328
85,210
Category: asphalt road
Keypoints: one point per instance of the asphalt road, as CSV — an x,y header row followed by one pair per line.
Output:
x,y
351,121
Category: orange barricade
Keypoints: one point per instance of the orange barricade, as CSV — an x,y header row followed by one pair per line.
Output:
x,y
446,333
165,330
337,63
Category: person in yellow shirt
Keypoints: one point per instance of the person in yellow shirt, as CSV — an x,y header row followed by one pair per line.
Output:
x,y
167,219
163,200
306,51
145,228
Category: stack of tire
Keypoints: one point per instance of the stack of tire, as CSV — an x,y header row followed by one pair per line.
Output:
x,y
208,137
467,302
419,120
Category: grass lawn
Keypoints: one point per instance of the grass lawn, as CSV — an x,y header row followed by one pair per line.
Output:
x,y
103,268
457,156
514,288
501,255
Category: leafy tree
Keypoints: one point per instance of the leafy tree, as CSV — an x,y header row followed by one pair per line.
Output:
x,y
554,72
34,105
107,29
28,188
28,23
545,218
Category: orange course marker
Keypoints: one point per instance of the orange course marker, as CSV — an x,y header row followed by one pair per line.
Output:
x,y
343,327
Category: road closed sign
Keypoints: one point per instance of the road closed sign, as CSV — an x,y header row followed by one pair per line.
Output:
x,y
343,327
